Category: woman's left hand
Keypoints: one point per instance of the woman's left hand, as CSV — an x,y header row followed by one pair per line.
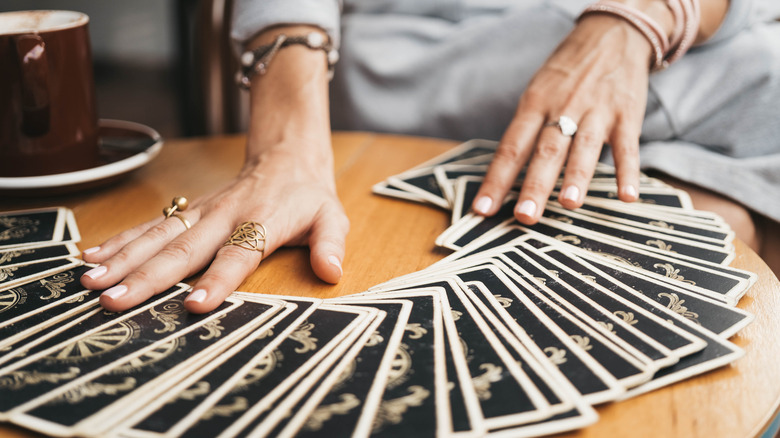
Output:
x,y
598,77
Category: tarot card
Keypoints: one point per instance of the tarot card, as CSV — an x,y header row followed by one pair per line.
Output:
x,y
446,176
621,364
313,385
718,282
251,392
21,302
95,402
487,360
84,348
659,223
13,276
26,255
508,397
350,406
677,341
37,338
160,416
32,227
568,409
648,196
421,383
669,245
712,315
422,183
629,337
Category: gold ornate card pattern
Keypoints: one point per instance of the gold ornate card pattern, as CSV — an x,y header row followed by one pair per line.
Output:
x,y
10,255
97,343
303,336
676,306
6,273
56,284
169,315
482,383
11,298
17,227
19,379
322,414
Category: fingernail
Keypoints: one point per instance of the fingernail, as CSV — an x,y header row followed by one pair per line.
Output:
x,y
115,292
333,260
571,193
527,208
630,191
197,296
96,272
89,251
483,204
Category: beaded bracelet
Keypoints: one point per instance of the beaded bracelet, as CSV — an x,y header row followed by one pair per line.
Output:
x,y
257,61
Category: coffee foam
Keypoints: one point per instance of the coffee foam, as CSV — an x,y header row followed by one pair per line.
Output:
x,y
39,21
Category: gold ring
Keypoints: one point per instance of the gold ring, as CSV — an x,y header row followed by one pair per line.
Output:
x,y
248,235
183,220
179,203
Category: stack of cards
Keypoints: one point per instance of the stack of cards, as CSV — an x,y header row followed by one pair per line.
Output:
x,y
519,332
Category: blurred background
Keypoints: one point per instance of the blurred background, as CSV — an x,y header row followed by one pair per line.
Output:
x,y
163,63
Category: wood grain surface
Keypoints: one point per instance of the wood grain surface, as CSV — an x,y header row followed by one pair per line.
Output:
x,y
390,237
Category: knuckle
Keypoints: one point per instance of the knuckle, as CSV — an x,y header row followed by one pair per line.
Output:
x,y
508,153
141,277
535,187
240,256
549,150
589,138
578,174
179,249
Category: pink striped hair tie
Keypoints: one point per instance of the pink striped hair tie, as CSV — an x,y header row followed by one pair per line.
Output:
x,y
642,22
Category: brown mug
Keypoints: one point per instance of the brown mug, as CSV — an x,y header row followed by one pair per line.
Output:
x,y
48,114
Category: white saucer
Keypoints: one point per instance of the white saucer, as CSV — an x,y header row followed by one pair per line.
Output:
x,y
124,147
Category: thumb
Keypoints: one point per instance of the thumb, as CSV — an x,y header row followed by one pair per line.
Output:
x,y
327,243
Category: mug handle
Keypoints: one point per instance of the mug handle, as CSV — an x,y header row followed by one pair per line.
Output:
x,y
34,66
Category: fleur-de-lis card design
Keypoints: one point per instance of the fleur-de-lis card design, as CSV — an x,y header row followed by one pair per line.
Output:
x,y
29,308
13,276
256,352
253,392
31,227
20,256
349,407
416,399
92,403
88,346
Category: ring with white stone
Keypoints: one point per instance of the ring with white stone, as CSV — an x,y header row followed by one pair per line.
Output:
x,y
567,126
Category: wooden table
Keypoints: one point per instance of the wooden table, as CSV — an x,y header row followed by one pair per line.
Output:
x,y
389,238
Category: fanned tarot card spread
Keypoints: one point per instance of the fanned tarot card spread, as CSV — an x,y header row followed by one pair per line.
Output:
x,y
519,332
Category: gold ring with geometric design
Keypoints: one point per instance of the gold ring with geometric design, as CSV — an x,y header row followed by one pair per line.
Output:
x,y
248,235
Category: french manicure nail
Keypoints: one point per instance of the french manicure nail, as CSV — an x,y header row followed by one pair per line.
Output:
x,y
527,208
571,193
92,250
115,292
483,204
96,272
197,296
333,260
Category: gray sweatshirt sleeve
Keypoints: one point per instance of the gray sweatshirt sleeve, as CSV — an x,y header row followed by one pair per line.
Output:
x,y
251,17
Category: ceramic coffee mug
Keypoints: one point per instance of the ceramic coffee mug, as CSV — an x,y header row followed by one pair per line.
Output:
x,y
48,115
